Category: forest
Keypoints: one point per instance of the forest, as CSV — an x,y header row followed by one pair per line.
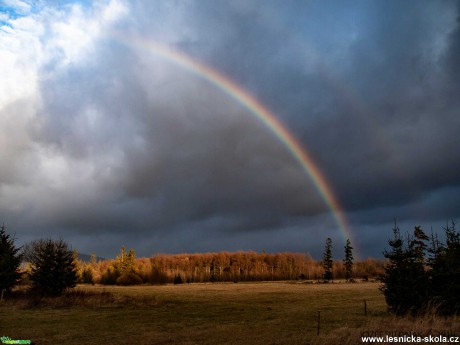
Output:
x,y
217,267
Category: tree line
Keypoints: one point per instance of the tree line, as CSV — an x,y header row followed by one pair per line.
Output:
x,y
224,267
420,271
51,266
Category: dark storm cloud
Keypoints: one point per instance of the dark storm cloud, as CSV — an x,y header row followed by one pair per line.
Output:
x,y
382,121
133,149
184,152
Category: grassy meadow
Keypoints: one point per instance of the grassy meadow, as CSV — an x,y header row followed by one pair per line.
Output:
x,y
224,313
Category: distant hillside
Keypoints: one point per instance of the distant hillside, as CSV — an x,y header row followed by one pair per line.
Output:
x,y
87,258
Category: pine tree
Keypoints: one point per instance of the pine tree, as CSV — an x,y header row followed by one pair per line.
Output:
x,y
327,260
417,249
10,260
405,282
394,287
445,271
348,261
53,266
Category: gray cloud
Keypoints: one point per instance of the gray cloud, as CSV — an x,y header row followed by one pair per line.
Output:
x,y
113,144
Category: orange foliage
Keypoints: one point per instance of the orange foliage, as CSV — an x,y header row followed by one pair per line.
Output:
x,y
234,267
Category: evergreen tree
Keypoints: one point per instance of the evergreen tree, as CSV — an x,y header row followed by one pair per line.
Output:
x,y
53,266
328,262
405,282
348,261
394,287
10,260
417,249
445,271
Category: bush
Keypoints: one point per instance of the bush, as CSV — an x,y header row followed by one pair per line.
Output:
x,y
110,277
178,279
87,276
129,278
158,277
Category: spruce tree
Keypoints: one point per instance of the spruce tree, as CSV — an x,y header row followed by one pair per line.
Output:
x,y
10,260
53,266
405,282
417,249
445,271
348,261
327,260
394,288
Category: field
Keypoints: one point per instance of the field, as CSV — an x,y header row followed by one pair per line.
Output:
x,y
243,313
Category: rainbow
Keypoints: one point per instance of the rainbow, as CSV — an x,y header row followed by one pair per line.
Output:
x,y
255,108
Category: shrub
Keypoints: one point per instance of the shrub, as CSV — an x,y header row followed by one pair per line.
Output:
x,y
110,277
87,276
158,276
178,279
129,278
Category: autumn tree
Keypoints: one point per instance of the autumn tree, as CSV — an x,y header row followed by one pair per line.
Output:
x,y
213,271
348,261
328,262
53,266
126,261
87,276
10,260
178,279
125,267
93,260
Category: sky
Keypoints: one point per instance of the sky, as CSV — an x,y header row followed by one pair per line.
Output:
x,y
116,127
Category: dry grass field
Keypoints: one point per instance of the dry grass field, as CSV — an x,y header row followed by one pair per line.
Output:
x,y
243,313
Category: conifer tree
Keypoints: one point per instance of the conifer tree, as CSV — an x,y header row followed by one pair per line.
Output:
x,y
53,266
328,262
348,261
405,282
445,271
10,260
